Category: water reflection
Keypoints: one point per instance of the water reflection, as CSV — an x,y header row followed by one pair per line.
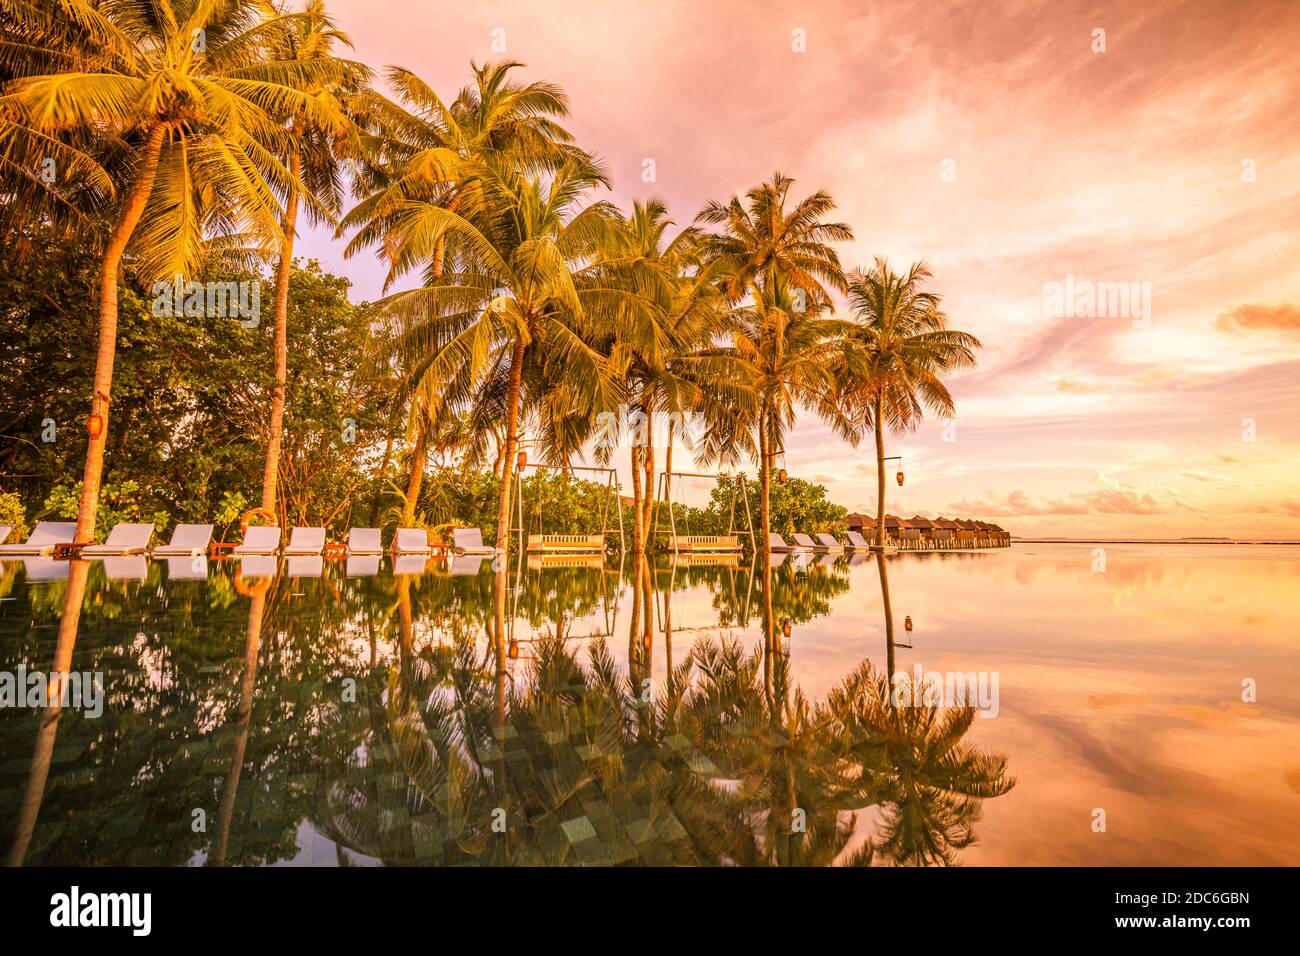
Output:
x,y
496,717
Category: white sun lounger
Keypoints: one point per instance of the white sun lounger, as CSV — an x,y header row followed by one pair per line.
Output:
x,y
365,541
777,543
261,539
469,541
857,542
4,532
44,537
305,541
412,541
122,540
805,542
826,542
187,540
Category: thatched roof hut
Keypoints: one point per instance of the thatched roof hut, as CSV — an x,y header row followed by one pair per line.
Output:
x,y
861,522
942,527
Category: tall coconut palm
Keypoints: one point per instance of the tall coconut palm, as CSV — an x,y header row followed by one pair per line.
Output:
x,y
186,95
661,364
790,359
906,348
427,155
513,322
779,266
762,242
313,153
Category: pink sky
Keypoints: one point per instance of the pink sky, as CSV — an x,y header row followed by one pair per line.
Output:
x,y
1169,159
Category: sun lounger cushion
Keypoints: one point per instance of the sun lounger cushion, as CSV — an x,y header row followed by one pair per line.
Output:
x,y
365,541
43,538
123,539
262,539
188,539
305,541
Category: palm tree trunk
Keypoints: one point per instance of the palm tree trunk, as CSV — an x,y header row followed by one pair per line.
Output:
x,y
764,479
271,470
512,441
638,515
880,474
417,475
648,462
109,266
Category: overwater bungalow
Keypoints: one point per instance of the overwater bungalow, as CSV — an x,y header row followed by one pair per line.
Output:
x,y
968,533
924,528
943,532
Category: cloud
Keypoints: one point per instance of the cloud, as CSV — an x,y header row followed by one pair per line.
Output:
x,y
1107,501
1197,475
1257,318
1292,506
1074,386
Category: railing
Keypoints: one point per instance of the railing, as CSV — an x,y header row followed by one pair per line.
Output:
x,y
703,542
566,542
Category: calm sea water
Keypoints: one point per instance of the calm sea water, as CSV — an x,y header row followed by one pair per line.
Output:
x,y
1140,706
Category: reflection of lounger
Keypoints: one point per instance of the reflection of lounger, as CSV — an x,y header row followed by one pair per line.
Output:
x,y
412,541
410,563
187,539
304,565
305,541
191,568
469,541
262,539
857,557
43,539
258,566
826,542
45,569
467,563
826,559
362,565
123,539
365,541
126,568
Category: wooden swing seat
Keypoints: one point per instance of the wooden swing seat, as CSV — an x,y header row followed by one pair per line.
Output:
x,y
703,543
565,543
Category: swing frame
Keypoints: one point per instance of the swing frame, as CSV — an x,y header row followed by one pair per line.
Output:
x,y
714,546
611,490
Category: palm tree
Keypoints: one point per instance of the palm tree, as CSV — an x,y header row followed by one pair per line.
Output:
x,y
314,146
778,266
762,242
789,358
189,107
510,327
427,154
661,362
906,347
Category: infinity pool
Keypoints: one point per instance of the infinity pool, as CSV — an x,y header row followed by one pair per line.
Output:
x,y
1139,705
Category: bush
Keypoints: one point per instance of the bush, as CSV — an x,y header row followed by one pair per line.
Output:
x,y
12,513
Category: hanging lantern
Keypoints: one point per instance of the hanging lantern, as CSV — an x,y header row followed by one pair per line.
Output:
x,y
95,425
522,460
781,476
899,476
514,650
907,623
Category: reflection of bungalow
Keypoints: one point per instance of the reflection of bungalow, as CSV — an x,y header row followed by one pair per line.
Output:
x,y
924,527
968,532
943,530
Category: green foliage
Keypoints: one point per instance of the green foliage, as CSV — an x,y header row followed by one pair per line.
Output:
x,y
119,502
13,513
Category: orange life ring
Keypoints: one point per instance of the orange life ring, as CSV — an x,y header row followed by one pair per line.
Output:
x,y
266,513
255,588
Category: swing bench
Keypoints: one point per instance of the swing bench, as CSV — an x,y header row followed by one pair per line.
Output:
x,y
706,548
556,550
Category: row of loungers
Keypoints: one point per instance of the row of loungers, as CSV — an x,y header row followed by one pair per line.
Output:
x,y
824,544
195,539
